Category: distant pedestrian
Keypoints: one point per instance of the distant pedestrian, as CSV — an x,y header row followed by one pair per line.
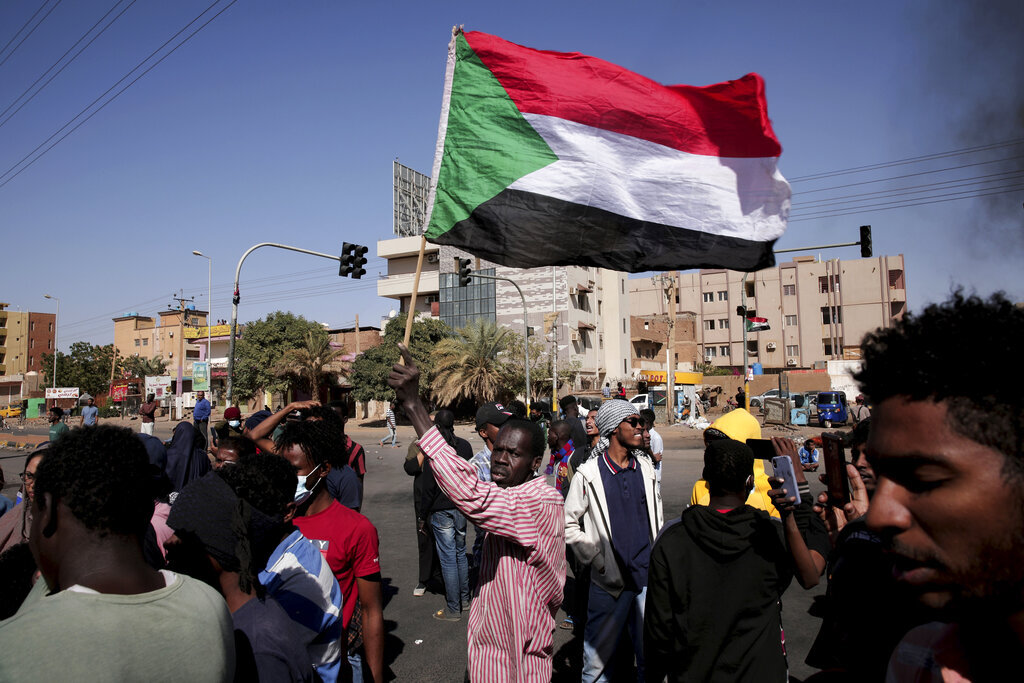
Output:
x,y
201,414
57,426
147,411
657,447
90,414
606,392
620,392
860,411
389,422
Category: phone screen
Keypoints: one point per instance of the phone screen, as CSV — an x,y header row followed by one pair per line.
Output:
x,y
835,469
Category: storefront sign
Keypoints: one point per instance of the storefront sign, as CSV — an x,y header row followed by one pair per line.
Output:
x,y
200,376
159,386
62,392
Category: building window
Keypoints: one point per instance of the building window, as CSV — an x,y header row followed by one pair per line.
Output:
x,y
792,350
709,324
751,289
831,314
790,321
600,340
459,306
752,347
896,279
723,351
723,295
31,343
647,325
828,347
723,323
710,352
789,290
32,326
823,284
145,342
709,297
137,342
49,343
623,326
31,360
51,327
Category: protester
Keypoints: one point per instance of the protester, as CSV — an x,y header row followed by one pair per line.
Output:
x,y
740,425
447,524
16,522
512,618
186,456
429,563
355,453
100,612
296,574
489,419
224,541
860,412
590,425
620,392
717,577
346,538
201,414
612,514
231,425
945,445
90,414
606,391
571,414
147,412
657,445
562,448
741,397
389,422
231,450
809,454
57,426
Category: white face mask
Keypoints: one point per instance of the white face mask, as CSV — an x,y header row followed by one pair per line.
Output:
x,y
302,494
234,423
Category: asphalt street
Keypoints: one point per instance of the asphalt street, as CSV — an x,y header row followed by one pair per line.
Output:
x,y
419,647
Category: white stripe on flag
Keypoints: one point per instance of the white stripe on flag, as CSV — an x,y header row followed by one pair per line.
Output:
x,y
737,197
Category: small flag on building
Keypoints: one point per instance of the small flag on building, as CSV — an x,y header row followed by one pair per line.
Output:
x,y
757,324
549,158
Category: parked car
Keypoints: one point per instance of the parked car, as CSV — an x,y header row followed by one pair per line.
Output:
x,y
832,408
640,401
758,401
10,411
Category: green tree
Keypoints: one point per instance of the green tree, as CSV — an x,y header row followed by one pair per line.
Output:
x,y
262,346
87,367
471,365
309,364
370,370
137,366
540,368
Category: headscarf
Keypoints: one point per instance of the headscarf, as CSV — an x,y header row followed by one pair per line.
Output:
x,y
740,425
186,459
237,535
609,416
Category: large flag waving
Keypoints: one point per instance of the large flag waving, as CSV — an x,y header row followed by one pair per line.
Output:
x,y
550,158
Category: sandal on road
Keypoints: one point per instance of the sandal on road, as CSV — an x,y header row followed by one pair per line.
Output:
x,y
445,615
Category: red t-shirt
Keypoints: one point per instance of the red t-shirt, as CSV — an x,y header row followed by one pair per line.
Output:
x,y
356,456
348,541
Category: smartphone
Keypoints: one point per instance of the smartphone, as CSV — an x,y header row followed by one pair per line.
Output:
x,y
763,448
835,470
784,471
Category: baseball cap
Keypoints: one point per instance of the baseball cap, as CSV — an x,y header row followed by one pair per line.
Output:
x,y
492,413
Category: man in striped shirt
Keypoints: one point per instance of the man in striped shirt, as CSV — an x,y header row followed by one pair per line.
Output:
x,y
512,619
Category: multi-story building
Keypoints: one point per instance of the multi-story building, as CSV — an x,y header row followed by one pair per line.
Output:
x,y
25,336
175,339
591,304
817,310
649,336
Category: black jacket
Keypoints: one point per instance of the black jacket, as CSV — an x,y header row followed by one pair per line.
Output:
x,y
713,595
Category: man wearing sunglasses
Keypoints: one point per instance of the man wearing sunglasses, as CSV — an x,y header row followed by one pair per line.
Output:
x,y
612,515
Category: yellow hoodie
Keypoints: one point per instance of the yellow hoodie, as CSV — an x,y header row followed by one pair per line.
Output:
x,y
740,425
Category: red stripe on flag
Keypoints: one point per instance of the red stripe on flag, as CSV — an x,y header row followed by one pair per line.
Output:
x,y
726,119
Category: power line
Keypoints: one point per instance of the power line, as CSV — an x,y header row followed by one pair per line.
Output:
x,y
919,173
42,75
117,94
902,205
912,189
908,160
15,48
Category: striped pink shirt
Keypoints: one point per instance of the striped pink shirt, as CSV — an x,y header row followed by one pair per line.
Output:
x,y
522,570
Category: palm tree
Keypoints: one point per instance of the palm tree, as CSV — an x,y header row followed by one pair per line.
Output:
x,y
470,365
145,367
310,363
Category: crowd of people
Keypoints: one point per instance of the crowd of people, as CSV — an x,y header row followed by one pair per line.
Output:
x,y
238,552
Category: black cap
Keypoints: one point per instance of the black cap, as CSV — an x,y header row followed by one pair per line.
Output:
x,y
491,413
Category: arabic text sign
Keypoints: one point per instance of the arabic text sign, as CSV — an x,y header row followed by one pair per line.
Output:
x,y
159,386
62,392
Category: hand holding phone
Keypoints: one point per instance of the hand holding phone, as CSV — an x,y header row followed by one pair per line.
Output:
x,y
783,466
835,470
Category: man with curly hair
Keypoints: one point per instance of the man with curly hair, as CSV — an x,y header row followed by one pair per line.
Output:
x,y
947,448
100,611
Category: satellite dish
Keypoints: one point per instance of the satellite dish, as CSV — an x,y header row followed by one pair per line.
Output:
x,y
393,313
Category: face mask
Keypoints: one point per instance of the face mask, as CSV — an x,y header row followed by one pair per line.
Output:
x,y
234,423
302,494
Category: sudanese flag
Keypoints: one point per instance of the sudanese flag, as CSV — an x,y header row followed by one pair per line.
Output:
x,y
551,158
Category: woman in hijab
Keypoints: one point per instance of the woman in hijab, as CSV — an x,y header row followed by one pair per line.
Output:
x,y
186,456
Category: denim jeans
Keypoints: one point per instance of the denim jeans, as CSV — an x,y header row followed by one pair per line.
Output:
x,y
392,434
450,535
606,618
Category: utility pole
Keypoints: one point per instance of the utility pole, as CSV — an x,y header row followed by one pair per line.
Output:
x,y
357,334
181,338
669,285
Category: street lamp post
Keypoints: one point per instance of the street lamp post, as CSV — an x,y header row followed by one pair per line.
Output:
x,y
56,319
209,313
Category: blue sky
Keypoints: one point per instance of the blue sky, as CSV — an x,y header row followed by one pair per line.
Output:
x,y
279,122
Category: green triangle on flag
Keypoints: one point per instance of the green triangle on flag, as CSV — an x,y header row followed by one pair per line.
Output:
x,y
488,144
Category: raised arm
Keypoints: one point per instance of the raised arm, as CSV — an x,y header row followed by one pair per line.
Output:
x,y
261,433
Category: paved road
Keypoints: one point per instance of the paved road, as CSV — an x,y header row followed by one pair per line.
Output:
x,y
421,648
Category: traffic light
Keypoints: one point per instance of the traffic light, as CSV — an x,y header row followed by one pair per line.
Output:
x,y
358,261
353,258
865,241
464,271
741,311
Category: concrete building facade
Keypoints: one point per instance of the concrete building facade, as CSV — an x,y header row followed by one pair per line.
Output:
x,y
817,310
25,336
142,336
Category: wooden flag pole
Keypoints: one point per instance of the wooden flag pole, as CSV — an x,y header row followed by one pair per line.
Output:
x,y
415,292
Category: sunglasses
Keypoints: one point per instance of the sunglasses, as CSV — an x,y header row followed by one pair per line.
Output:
x,y
634,421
